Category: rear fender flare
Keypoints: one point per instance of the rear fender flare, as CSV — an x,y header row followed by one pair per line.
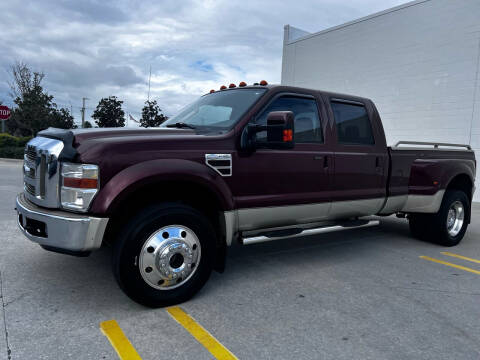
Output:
x,y
427,176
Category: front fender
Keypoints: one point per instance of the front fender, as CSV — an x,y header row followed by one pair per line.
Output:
x,y
149,172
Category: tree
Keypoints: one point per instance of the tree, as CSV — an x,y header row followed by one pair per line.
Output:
x,y
62,119
87,124
35,109
109,113
151,115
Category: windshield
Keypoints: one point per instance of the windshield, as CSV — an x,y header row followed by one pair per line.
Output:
x,y
216,112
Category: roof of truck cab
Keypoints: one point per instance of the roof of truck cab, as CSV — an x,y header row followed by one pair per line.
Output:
x,y
329,94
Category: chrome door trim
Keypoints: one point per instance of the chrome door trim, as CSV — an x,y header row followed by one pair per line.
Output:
x,y
264,217
355,208
250,219
393,204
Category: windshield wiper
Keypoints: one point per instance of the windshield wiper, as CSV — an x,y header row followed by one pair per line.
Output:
x,y
180,125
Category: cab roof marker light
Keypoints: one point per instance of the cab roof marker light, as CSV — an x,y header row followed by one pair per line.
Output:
x,y
223,87
232,86
263,83
242,84
212,91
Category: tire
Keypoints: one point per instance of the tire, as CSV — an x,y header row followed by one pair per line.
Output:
x,y
418,225
143,255
439,228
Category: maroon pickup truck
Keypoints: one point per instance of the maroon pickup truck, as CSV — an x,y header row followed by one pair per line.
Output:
x,y
245,164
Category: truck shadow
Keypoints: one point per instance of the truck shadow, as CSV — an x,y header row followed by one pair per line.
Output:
x,y
80,281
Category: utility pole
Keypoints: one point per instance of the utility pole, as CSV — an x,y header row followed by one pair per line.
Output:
x,y
149,77
83,111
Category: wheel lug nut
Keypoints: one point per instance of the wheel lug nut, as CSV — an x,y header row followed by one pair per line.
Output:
x,y
150,249
148,269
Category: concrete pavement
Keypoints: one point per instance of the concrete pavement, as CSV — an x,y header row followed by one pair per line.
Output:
x,y
362,294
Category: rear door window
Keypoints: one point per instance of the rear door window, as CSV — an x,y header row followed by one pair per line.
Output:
x,y
353,124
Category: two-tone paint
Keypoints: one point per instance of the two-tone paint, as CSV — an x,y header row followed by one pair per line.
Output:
x,y
270,188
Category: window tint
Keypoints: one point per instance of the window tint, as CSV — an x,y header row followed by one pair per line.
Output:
x,y
307,122
353,124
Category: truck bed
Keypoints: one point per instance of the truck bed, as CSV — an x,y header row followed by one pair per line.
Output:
x,y
418,171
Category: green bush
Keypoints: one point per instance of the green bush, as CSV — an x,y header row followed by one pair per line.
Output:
x,y
9,140
11,152
12,146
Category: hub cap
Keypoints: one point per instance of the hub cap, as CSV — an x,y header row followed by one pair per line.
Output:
x,y
169,257
455,217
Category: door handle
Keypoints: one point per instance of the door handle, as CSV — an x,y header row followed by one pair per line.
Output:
x,y
320,157
379,165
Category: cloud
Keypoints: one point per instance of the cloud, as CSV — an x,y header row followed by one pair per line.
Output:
x,y
96,49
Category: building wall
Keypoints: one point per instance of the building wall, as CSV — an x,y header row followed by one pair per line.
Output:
x,y
418,62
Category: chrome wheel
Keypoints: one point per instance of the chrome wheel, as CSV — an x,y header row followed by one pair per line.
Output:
x,y
455,218
169,257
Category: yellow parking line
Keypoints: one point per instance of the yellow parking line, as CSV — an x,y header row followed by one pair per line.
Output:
x,y
450,264
460,257
198,332
119,341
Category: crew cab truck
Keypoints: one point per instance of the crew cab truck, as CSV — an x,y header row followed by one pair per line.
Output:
x,y
242,164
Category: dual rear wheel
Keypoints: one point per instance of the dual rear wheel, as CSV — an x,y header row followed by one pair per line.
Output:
x,y
448,226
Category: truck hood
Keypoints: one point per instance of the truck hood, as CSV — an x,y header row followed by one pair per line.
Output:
x,y
80,144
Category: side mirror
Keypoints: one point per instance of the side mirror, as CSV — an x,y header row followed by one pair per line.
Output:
x,y
280,130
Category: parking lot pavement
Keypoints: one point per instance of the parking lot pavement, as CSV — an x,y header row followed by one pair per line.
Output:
x,y
361,294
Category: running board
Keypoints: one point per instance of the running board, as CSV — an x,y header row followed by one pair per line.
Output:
x,y
296,232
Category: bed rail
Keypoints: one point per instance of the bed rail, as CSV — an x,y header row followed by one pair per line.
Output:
x,y
435,145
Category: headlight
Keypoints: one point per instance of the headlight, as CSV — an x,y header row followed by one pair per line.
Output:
x,y
79,186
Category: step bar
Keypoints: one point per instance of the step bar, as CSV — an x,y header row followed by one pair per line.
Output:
x,y
306,232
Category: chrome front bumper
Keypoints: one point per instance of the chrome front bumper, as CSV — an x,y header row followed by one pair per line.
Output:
x,y
59,230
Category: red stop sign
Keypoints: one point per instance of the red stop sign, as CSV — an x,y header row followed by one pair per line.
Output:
x,y
4,112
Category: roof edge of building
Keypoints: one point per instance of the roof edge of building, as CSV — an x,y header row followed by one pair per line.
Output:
x,y
356,21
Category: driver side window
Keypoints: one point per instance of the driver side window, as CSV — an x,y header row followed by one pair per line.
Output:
x,y
307,122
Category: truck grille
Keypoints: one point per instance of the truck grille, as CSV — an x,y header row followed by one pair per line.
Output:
x,y
31,153
41,171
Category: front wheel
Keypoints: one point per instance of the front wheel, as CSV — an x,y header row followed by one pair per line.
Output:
x,y
164,255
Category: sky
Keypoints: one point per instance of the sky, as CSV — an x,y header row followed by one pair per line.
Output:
x,y
96,49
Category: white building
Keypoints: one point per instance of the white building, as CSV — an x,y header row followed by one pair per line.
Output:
x,y
419,62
